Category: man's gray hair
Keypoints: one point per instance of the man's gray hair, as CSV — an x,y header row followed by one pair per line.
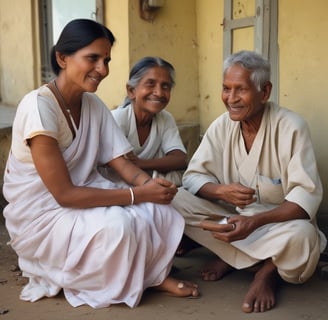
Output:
x,y
260,69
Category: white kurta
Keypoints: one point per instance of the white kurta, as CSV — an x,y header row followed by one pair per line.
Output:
x,y
99,256
163,137
281,166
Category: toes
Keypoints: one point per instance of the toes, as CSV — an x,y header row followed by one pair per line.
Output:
x,y
246,307
210,276
267,306
188,289
256,307
178,288
205,276
215,270
195,294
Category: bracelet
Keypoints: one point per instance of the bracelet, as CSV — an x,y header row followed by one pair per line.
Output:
x,y
132,195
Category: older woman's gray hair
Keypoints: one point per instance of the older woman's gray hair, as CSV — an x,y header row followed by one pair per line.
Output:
x,y
260,69
142,67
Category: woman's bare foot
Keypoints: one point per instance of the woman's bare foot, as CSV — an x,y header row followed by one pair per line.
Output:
x,y
186,245
261,294
215,270
178,288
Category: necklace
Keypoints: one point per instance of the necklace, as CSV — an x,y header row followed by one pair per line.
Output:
x,y
68,110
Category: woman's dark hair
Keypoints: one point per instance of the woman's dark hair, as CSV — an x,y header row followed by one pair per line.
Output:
x,y
141,68
76,35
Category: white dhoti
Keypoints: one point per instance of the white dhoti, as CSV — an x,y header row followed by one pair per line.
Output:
x,y
293,246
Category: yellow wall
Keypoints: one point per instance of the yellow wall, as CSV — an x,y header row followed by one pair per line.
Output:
x,y
17,60
243,38
303,71
171,35
188,33
112,89
210,53
210,14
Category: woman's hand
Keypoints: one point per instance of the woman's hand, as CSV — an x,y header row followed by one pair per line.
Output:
x,y
173,160
132,157
155,190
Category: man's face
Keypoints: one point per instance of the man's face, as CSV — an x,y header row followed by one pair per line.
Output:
x,y
240,96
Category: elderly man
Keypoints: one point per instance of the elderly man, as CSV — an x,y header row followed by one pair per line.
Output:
x,y
256,167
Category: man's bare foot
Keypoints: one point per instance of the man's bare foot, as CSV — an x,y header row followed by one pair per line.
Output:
x,y
215,270
261,294
186,245
179,288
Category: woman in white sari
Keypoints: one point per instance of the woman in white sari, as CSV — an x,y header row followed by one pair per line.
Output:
x,y
71,228
150,129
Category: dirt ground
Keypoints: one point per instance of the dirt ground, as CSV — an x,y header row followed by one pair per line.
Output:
x,y
219,300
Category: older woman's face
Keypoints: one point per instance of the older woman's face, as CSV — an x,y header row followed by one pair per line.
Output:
x,y
87,67
240,96
153,92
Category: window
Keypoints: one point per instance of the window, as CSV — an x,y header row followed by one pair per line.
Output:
x,y
54,15
253,25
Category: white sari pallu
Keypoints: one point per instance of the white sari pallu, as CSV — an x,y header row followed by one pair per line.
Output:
x,y
98,256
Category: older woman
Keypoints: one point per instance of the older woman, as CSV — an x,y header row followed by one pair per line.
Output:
x,y
152,131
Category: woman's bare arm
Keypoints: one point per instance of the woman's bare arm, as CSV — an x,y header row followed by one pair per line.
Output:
x,y
173,160
53,171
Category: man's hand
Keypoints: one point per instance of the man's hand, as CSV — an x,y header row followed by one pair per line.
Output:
x,y
236,228
237,194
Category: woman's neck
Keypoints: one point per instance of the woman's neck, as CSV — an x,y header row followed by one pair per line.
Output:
x,y
143,120
71,100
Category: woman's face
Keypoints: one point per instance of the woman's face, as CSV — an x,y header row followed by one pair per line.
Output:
x,y
153,92
87,67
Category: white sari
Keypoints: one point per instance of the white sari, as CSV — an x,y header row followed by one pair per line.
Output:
x,y
98,256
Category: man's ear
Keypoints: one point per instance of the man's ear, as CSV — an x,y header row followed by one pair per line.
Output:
x,y
61,59
266,91
130,92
